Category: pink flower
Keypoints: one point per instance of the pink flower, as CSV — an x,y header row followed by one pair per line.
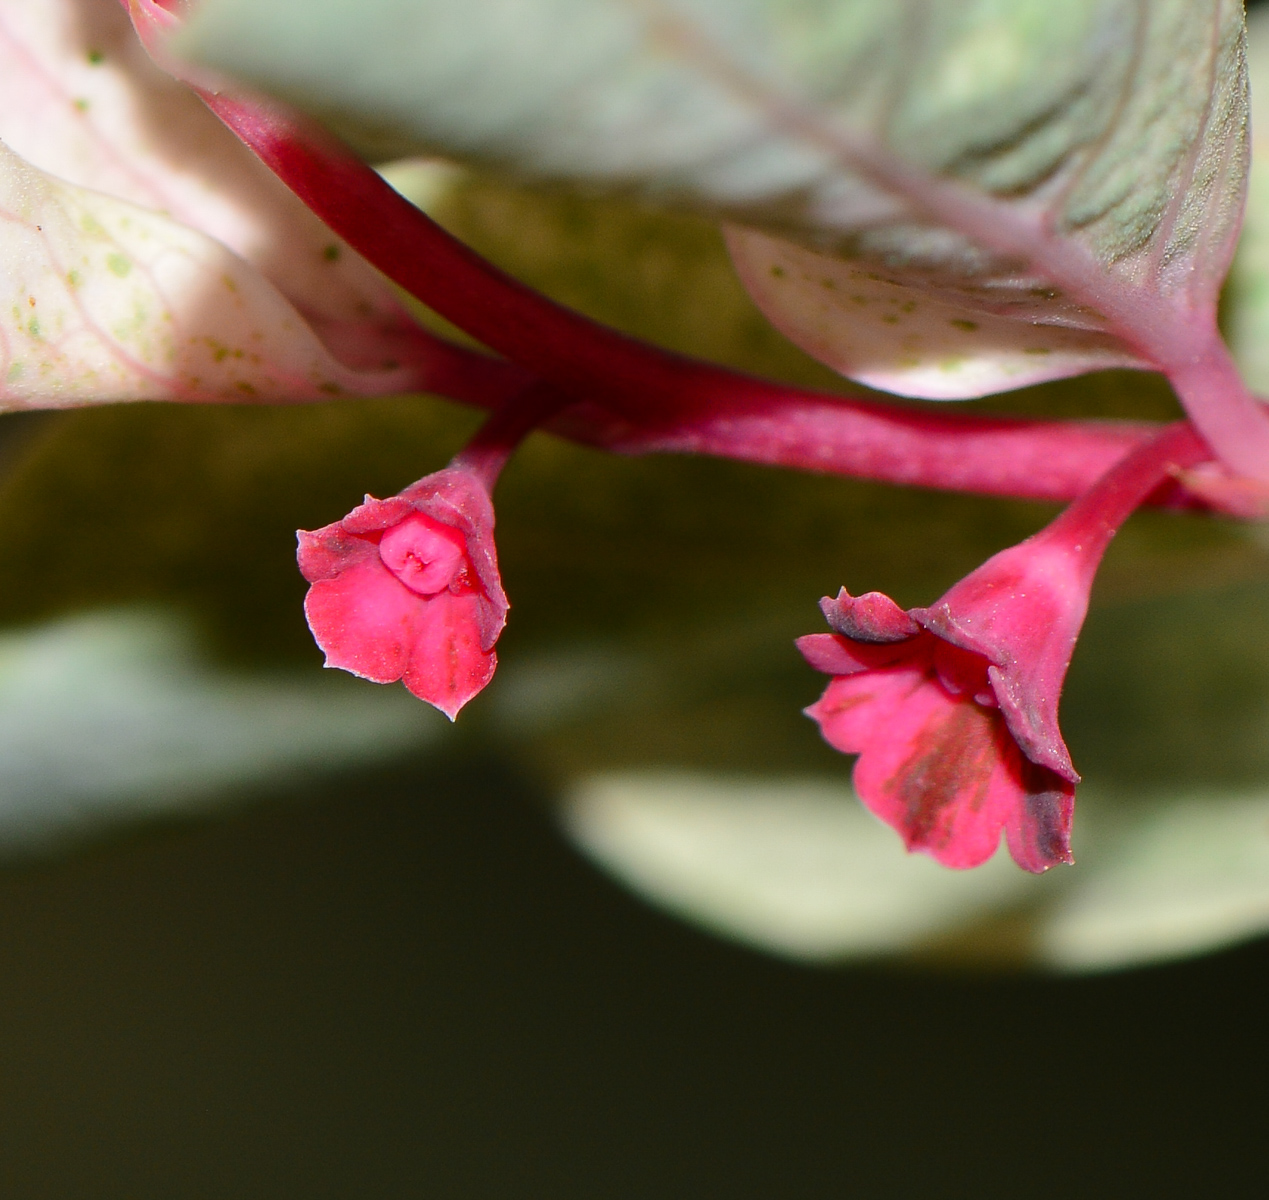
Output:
x,y
408,588
939,760
953,709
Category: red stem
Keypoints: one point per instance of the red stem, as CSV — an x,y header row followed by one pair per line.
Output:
x,y
1216,399
1093,519
891,443
670,403
496,440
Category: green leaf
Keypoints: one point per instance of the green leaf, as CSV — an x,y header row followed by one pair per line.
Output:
x,y
1068,165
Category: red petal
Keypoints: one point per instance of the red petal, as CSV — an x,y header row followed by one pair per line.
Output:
x,y
837,655
963,672
324,553
938,772
1039,831
373,515
855,710
423,554
364,620
872,617
447,664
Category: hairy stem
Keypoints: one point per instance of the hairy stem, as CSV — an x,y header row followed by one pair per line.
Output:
x,y
1094,518
496,440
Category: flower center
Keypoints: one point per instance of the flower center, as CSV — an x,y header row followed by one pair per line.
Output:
x,y
423,554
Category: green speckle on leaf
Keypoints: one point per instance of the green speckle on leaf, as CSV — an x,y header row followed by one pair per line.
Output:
x,y
14,372
118,264
960,323
247,389
331,253
73,278
890,319
80,103
96,58
1037,350
777,272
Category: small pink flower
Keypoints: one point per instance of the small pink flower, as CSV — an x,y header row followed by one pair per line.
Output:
x,y
408,588
953,709
938,758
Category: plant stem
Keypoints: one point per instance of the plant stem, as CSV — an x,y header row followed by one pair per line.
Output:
x,y
495,441
1232,422
1092,520
667,402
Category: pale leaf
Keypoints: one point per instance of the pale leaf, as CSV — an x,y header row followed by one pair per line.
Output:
x,y
81,101
1186,875
892,337
101,300
110,717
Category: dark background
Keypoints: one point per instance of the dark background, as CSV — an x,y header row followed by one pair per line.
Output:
x,y
408,986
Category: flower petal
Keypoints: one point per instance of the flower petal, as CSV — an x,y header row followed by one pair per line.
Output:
x,y
1022,611
872,617
408,588
423,554
1039,828
324,553
937,773
837,655
448,664
455,497
364,620
857,709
